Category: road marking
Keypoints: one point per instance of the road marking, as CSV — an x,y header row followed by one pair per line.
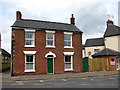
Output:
x,y
41,81
20,83
37,84
83,78
112,78
64,80
91,79
84,84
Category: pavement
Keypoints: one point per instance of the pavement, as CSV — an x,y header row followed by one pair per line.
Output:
x,y
6,77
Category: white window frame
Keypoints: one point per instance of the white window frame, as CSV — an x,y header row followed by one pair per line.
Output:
x,y
52,32
68,33
31,31
30,53
69,54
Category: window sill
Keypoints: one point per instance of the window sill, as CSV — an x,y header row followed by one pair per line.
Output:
x,y
29,46
68,70
68,47
29,71
49,46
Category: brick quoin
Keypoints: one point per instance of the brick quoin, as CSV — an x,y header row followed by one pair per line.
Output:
x,y
40,60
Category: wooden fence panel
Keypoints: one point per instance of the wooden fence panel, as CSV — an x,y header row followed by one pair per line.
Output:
x,y
98,64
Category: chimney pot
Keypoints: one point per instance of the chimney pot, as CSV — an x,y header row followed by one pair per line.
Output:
x,y
109,22
18,15
72,20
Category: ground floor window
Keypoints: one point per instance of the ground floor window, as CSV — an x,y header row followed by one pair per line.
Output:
x,y
68,63
29,62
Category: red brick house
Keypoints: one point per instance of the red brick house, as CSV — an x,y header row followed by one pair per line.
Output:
x,y
43,47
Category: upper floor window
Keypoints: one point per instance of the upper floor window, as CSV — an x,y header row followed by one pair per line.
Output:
x,y
50,41
6,59
29,38
96,50
67,40
2,59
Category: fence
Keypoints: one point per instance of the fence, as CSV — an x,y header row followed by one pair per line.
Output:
x,y
98,64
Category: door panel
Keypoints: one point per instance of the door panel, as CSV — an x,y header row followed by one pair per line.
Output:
x,y
50,65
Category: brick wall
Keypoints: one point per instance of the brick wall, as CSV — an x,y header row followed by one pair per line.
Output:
x,y
40,60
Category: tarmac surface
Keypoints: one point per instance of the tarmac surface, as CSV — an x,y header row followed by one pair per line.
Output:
x,y
6,77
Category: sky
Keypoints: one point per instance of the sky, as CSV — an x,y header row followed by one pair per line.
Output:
x,y
90,15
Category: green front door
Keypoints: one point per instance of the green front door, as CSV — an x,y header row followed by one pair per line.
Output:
x,y
50,65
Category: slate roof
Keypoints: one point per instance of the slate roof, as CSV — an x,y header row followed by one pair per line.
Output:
x,y
106,52
45,25
94,42
4,52
112,30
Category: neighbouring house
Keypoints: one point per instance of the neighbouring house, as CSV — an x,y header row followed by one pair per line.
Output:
x,y
110,39
44,47
112,36
111,55
93,45
5,59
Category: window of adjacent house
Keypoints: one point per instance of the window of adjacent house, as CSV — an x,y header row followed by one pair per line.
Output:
x,y
6,59
29,62
68,40
68,62
50,39
2,59
96,50
29,38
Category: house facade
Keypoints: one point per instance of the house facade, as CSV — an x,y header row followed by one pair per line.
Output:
x,y
112,36
5,60
43,47
110,40
93,45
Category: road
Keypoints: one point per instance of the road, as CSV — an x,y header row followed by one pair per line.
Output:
x,y
110,81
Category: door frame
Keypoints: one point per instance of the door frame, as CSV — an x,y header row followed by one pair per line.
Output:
x,y
53,65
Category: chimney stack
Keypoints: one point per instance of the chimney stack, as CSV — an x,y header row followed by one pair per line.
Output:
x,y
109,22
18,15
72,20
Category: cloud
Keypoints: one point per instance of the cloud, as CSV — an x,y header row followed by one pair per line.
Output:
x,y
90,15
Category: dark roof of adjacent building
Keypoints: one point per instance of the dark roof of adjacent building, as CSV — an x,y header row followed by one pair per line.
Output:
x,y
94,42
4,52
45,25
112,30
106,52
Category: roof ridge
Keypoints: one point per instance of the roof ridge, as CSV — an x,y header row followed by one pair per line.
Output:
x,y
46,21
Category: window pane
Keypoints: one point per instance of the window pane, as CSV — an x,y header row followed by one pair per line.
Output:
x,y
68,66
50,42
2,59
29,66
67,58
27,42
31,35
49,35
29,58
65,43
26,35
68,43
67,37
